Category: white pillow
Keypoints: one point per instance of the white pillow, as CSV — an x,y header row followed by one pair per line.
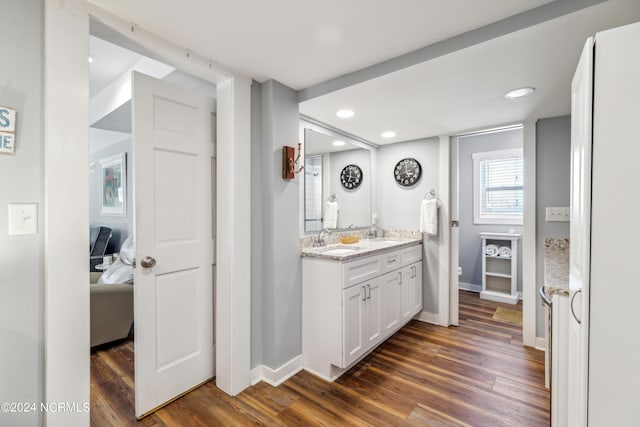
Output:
x,y
118,272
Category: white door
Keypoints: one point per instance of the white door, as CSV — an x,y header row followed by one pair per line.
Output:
x,y
173,291
580,235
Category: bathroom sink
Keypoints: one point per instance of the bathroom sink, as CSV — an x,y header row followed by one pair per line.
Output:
x,y
340,250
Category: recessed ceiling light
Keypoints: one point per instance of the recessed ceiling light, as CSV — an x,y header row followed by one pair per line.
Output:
x,y
388,134
345,114
90,59
338,143
519,93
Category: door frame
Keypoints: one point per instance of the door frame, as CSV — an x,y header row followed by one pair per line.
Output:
x,y
66,290
448,288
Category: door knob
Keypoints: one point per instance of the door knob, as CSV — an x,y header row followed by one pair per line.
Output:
x,y
148,262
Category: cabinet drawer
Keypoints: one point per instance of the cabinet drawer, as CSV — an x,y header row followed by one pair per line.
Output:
x,y
390,261
360,270
411,254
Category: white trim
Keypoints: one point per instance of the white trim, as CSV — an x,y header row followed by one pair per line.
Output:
x,y
444,246
499,296
529,236
469,287
454,246
257,374
277,376
66,218
66,210
425,316
335,377
541,344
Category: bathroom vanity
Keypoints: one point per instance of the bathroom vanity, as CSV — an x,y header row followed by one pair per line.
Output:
x,y
354,297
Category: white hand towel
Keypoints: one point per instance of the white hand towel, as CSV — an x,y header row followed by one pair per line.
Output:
x,y
504,251
491,250
429,216
331,215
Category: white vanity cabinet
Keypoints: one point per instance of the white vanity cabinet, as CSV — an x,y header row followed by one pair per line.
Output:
x,y
362,314
349,307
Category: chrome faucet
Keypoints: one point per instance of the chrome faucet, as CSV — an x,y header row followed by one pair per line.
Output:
x,y
319,241
373,231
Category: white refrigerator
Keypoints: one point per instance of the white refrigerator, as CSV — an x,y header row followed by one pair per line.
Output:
x,y
604,279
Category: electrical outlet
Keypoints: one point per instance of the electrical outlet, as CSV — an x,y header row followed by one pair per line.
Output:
x,y
557,214
23,218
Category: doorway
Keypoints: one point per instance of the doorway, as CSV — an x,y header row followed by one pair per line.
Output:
x,y
167,162
66,224
488,186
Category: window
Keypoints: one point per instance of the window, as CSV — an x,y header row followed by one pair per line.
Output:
x,y
498,187
313,194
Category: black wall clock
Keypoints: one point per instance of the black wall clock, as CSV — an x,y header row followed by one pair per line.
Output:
x,y
351,177
407,172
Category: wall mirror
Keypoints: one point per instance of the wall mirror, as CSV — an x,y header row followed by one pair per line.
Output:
x,y
338,183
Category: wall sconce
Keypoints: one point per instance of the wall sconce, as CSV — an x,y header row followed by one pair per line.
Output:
x,y
289,161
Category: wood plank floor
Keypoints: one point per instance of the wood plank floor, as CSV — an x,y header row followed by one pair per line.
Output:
x,y
477,374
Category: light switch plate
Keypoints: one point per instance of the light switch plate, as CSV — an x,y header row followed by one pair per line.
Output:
x,y
23,219
557,214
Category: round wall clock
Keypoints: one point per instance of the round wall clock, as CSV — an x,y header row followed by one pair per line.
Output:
x,y
351,177
407,172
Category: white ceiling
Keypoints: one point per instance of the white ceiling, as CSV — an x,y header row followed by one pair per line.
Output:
x,y
319,143
109,63
303,43
465,90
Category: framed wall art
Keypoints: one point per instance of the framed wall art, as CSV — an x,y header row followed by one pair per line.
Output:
x,y
113,185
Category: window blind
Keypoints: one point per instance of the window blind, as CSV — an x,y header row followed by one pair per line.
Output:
x,y
501,187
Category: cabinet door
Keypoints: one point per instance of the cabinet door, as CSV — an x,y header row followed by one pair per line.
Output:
x,y
416,282
353,326
373,313
406,294
390,302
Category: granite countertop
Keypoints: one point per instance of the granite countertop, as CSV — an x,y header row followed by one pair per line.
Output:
x,y
365,247
556,266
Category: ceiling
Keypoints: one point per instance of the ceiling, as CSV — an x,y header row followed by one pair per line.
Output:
x,y
302,44
320,143
464,90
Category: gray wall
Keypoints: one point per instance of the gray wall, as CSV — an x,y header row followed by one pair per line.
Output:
x,y
553,183
281,267
21,269
470,243
257,224
399,207
355,205
122,226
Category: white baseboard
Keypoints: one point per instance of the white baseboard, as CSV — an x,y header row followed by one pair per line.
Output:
x,y
463,286
425,316
277,376
469,287
540,343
